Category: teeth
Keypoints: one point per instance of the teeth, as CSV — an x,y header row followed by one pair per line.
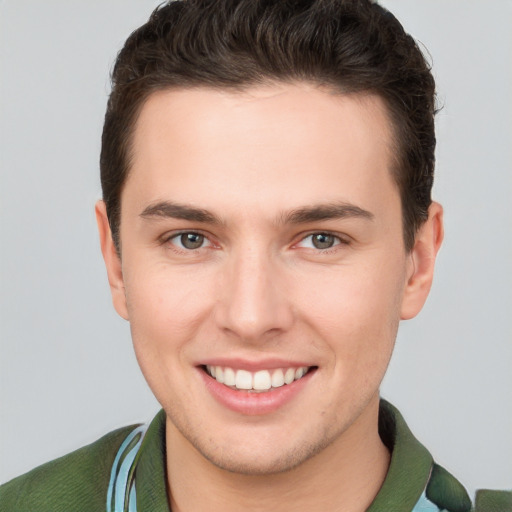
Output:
x,y
289,376
262,380
229,377
278,379
243,379
219,374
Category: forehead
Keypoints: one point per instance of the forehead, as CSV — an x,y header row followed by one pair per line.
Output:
x,y
268,146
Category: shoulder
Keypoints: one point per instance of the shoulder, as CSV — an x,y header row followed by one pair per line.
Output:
x,y
78,481
493,501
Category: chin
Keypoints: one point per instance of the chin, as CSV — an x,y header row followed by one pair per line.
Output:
x,y
263,459
257,466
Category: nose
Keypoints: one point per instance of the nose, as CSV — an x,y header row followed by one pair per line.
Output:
x,y
254,305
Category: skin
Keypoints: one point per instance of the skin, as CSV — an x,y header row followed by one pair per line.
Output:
x,y
258,288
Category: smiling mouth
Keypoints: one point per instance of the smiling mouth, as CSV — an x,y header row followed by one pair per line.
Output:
x,y
256,382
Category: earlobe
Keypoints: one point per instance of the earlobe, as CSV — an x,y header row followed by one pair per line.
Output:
x,y
112,261
422,261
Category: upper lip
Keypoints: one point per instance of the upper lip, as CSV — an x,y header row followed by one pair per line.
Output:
x,y
254,365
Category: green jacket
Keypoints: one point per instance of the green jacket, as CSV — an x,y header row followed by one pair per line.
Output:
x,y
79,481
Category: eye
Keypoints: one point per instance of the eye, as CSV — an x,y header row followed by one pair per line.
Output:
x,y
189,240
320,241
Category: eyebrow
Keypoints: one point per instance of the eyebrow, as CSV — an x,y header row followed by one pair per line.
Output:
x,y
167,209
325,212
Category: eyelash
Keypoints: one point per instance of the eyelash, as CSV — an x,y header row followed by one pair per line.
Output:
x,y
339,240
169,239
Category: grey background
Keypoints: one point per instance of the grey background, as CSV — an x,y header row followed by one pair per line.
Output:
x,y
67,372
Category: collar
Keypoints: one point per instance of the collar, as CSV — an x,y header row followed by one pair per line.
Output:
x,y
410,466
407,477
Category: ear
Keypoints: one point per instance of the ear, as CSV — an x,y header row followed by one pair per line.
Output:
x,y
112,261
421,262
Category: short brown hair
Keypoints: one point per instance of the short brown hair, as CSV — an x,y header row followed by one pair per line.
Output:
x,y
349,46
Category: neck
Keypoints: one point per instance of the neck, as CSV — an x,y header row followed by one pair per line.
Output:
x,y
346,475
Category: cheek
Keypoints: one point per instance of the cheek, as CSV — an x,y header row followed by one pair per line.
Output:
x,y
358,312
166,312
165,308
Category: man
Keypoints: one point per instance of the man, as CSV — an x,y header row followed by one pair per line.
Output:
x,y
266,223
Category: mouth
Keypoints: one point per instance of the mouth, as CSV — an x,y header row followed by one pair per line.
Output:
x,y
261,381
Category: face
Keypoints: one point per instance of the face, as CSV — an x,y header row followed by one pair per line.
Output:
x,y
263,268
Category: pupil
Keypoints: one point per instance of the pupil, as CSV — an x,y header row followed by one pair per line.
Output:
x,y
192,240
323,241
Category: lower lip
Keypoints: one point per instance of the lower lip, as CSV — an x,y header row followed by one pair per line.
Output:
x,y
253,404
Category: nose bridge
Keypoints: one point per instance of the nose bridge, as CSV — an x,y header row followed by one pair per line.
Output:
x,y
253,303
